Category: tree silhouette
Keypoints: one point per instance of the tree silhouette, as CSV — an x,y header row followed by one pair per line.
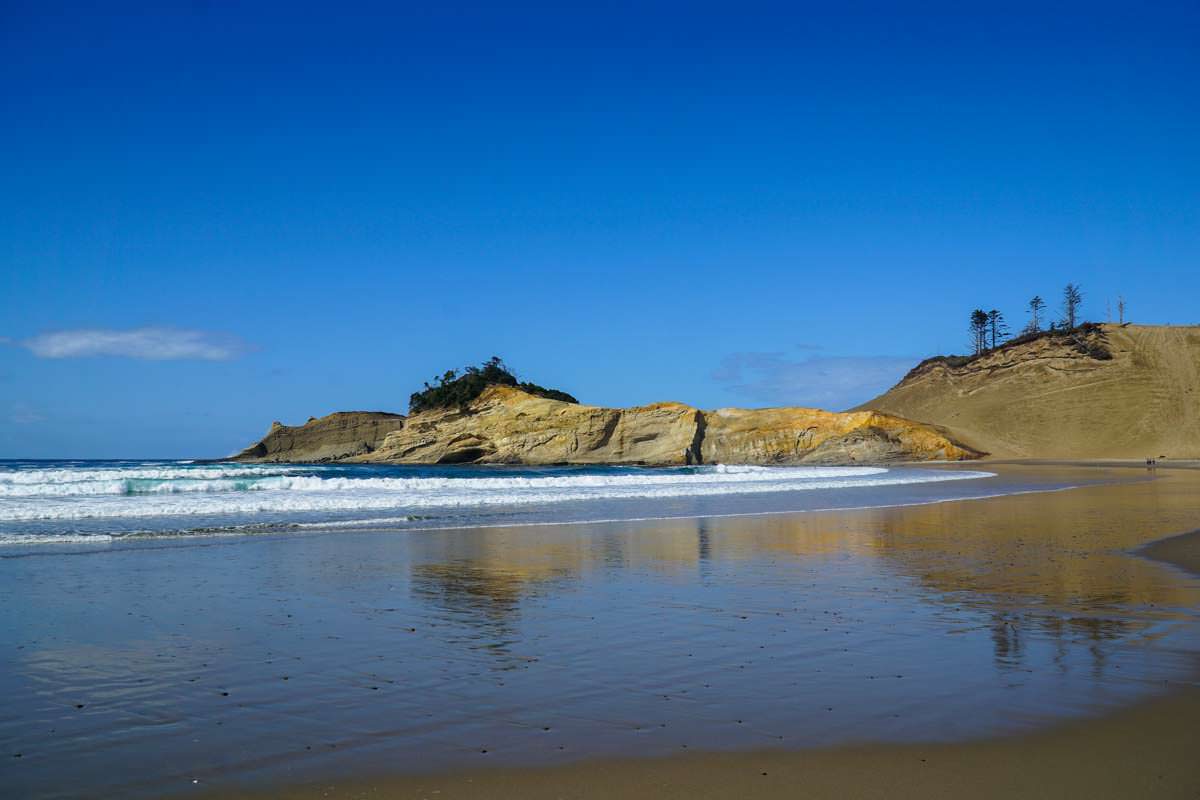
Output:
x,y
1036,306
979,330
997,329
1072,300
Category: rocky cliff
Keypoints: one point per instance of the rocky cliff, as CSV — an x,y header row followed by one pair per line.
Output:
x,y
505,425
508,426
1107,391
809,435
335,437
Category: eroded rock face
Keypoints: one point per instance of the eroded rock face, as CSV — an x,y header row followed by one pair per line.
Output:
x,y
507,426
809,435
335,437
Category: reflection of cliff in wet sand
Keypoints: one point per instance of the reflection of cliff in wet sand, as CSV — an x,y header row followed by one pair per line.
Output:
x,y
1052,574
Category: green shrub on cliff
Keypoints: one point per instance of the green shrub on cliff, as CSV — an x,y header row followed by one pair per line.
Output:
x,y
454,390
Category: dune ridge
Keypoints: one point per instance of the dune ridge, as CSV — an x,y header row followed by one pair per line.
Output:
x,y
1121,391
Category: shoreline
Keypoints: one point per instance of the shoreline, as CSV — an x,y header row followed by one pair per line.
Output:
x,y
110,542
584,659
1142,749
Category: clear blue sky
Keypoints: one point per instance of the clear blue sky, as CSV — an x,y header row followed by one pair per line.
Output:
x,y
214,218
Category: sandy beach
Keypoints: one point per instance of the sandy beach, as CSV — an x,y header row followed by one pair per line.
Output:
x,y
1144,750
1024,644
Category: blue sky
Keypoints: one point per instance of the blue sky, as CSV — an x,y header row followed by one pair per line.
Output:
x,y
216,218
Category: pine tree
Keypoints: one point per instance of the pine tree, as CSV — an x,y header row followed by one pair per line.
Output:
x,y
997,328
1072,300
979,330
1036,306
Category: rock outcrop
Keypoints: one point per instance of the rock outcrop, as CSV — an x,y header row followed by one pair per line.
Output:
x,y
508,426
1106,391
809,435
335,437
505,425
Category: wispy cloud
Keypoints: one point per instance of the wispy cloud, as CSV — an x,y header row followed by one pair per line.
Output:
x,y
831,382
24,415
150,343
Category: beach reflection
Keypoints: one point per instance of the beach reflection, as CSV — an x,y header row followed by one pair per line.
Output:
x,y
324,655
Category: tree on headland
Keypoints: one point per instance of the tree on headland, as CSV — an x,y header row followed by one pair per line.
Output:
x,y
1036,306
1072,300
997,328
457,391
979,330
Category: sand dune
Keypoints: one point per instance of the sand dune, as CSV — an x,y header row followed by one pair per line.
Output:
x,y
1049,399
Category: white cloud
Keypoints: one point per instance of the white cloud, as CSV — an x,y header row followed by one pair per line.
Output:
x,y
823,382
151,343
24,415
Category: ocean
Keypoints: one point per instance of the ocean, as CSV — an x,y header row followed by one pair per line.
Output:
x,y
104,502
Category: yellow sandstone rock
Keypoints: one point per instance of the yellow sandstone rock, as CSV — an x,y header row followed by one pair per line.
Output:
x,y
508,426
505,425
808,435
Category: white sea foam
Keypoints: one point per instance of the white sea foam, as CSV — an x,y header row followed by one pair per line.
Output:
x,y
150,491
59,538
11,480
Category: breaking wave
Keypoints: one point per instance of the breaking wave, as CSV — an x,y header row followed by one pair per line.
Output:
x,y
181,490
88,504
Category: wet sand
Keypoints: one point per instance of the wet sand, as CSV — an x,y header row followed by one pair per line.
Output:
x,y
1012,645
1148,750
1182,551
